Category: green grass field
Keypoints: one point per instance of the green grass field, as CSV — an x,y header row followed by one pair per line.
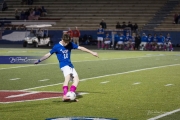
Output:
x,y
126,85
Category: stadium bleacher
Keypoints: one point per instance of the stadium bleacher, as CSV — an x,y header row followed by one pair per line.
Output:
x,y
87,14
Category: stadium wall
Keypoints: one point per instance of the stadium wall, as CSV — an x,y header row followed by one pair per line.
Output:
x,y
16,37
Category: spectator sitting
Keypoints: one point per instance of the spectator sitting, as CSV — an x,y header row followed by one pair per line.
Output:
x,y
124,25
130,25
26,14
118,26
32,16
4,6
22,15
37,13
17,16
40,34
135,27
103,24
44,12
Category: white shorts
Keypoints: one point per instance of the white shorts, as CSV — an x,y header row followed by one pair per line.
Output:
x,y
99,38
107,42
143,43
120,42
68,70
160,43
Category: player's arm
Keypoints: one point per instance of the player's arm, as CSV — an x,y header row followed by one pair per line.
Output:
x,y
43,58
87,50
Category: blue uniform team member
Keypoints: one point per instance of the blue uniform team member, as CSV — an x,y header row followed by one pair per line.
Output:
x,y
143,41
63,53
100,35
160,43
107,41
120,43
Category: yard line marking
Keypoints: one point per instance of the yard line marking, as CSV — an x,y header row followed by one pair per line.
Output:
x,y
136,83
165,114
15,79
104,82
105,76
168,85
20,95
75,62
43,80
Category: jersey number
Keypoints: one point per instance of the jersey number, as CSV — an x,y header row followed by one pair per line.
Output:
x,y
65,55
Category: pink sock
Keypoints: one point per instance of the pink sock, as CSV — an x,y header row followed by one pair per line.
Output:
x,y
102,45
65,90
73,88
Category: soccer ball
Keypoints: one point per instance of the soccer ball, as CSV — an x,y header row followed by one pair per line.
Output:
x,y
71,95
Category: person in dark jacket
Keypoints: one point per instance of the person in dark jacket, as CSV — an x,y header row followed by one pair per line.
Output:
x,y
137,42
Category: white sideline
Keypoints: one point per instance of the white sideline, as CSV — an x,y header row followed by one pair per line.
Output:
x,y
165,114
77,61
105,76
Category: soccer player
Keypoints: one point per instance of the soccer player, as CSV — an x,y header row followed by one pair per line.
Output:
x,y
100,35
149,42
63,53
161,40
120,43
167,43
107,41
143,41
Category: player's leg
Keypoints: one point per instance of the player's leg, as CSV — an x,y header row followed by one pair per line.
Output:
x,y
98,41
66,71
75,81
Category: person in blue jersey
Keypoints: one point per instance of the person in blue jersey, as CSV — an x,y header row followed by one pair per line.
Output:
x,y
63,53
127,40
167,43
143,41
160,43
120,43
149,42
154,42
107,41
100,35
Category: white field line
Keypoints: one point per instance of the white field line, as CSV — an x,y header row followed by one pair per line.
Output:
x,y
136,83
20,95
104,82
43,80
168,85
30,100
77,61
165,114
15,79
106,76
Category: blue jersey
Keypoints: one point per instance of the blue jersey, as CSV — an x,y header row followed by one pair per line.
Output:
x,y
100,32
144,39
107,38
128,38
161,39
116,37
155,39
149,39
63,53
167,39
122,38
